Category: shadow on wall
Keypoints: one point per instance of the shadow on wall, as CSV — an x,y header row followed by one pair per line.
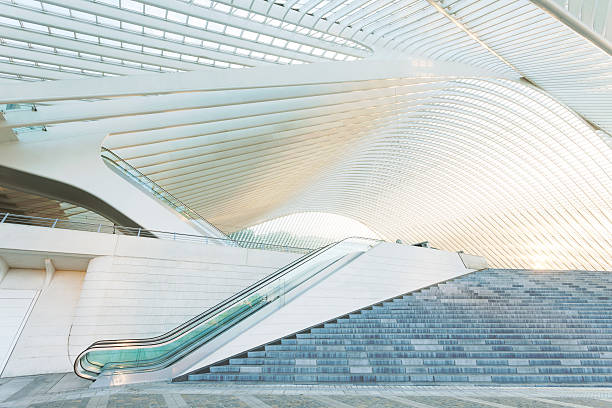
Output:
x,y
56,190
37,314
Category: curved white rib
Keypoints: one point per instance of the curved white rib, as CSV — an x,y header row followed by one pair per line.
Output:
x,y
480,125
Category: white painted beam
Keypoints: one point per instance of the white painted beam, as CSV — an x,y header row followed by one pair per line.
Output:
x,y
277,76
218,113
174,102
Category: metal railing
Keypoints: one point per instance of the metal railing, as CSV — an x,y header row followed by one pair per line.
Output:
x,y
142,232
15,107
152,187
5,107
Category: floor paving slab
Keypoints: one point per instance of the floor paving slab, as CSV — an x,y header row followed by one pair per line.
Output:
x,y
589,402
329,402
446,402
70,382
98,401
72,403
13,386
515,402
484,402
290,401
39,384
59,391
136,401
175,401
407,403
213,401
253,402
560,403
366,401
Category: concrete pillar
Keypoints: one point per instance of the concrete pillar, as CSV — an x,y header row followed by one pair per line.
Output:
x,y
4,268
50,271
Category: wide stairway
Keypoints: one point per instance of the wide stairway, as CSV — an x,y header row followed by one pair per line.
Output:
x,y
490,327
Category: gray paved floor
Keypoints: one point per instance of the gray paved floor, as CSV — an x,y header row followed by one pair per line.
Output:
x,y
68,391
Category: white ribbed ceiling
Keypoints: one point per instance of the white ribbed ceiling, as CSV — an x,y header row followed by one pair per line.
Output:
x,y
480,125
595,14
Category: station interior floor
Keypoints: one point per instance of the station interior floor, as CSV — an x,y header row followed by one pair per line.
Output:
x,y
68,391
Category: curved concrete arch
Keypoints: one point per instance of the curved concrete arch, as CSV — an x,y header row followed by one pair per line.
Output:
x,y
475,126
56,190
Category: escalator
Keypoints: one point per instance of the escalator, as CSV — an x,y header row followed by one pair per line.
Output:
x,y
152,358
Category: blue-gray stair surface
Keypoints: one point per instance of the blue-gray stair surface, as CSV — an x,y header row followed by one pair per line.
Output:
x,y
504,327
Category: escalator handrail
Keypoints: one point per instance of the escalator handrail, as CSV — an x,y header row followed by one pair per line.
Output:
x,y
219,306
160,362
195,321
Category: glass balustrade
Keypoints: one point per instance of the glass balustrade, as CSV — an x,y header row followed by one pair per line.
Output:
x,y
136,176
138,355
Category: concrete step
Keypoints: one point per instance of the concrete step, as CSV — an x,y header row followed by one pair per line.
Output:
x,y
403,378
489,327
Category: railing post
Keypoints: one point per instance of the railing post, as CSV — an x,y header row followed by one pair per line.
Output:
x,y
54,223
174,233
4,218
138,231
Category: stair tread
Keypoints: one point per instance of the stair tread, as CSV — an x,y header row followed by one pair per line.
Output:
x,y
488,327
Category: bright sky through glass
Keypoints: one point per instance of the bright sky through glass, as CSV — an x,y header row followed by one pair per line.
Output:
x,y
324,225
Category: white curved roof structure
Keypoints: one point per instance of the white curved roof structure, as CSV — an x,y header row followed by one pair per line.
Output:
x,y
477,125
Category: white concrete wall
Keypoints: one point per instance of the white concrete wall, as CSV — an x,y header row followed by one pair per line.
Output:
x,y
14,237
133,287
474,261
138,287
135,297
14,306
26,240
43,343
386,271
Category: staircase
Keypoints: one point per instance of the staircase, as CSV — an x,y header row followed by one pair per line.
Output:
x,y
490,327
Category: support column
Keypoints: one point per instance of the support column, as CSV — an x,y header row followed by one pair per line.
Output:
x,y
4,268
50,271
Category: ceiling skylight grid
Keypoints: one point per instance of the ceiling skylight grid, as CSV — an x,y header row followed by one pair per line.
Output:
x,y
51,33
336,7
77,60
251,16
186,41
386,24
595,14
515,139
591,218
549,53
228,7
268,21
339,17
143,31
